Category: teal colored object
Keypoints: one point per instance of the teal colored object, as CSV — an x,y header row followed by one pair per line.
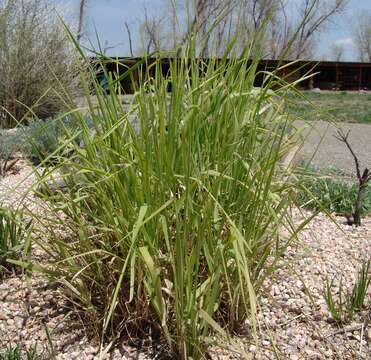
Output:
x,y
103,81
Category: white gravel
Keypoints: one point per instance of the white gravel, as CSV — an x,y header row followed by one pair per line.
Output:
x,y
292,315
293,306
15,186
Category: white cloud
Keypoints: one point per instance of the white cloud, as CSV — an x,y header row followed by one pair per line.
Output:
x,y
348,42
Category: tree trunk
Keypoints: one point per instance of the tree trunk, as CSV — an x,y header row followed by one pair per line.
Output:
x,y
81,20
360,198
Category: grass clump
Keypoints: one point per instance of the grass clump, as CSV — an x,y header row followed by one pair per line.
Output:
x,y
14,239
175,205
176,221
343,306
15,353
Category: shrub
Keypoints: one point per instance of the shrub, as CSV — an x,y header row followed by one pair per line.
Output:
x,y
9,144
324,193
41,138
34,52
14,238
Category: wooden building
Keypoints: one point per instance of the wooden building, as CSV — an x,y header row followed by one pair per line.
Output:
x,y
327,75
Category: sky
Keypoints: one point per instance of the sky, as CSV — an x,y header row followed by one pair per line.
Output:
x,y
107,18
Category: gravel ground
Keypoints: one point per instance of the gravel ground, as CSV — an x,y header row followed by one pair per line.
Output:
x,y
330,151
294,307
292,315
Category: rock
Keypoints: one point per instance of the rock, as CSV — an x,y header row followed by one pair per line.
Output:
x,y
252,349
18,321
53,187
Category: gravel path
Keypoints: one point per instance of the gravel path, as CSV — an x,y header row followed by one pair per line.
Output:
x,y
292,315
330,151
294,306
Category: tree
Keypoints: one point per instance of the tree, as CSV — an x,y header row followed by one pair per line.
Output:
x,y
206,15
129,38
82,10
337,52
290,30
151,31
313,16
362,35
294,29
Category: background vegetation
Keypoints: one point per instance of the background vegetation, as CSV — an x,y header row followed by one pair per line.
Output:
x,y
343,106
332,190
36,61
41,138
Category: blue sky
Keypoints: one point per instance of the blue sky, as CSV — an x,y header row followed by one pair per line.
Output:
x,y
108,17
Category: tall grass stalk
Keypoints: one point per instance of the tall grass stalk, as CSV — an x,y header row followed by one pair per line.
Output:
x,y
175,205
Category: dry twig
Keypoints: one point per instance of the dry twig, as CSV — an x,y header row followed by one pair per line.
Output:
x,y
363,179
7,165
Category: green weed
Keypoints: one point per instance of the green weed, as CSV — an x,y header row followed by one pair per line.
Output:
x,y
324,193
14,238
15,353
359,292
343,306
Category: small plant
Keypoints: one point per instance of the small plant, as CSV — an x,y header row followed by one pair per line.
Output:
x,y
13,238
332,195
343,309
337,309
15,353
358,296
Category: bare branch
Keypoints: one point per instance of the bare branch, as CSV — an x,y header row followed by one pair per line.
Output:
x,y
129,38
344,138
363,181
